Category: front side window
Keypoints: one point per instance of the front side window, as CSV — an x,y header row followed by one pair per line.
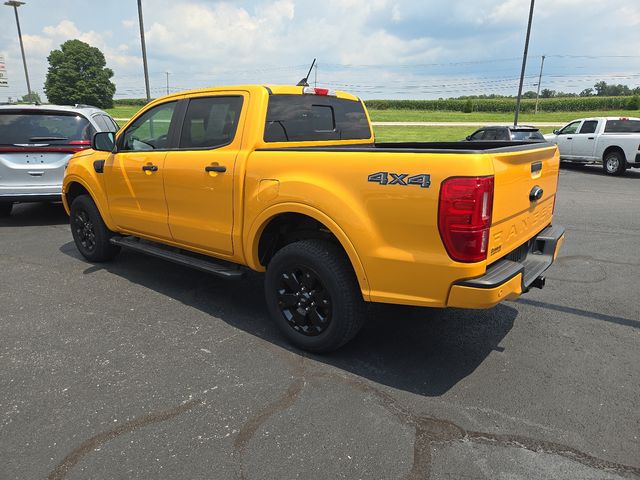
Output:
x,y
303,118
150,131
210,122
569,129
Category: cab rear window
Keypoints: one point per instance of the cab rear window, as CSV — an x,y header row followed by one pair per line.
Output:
x,y
20,127
304,118
622,126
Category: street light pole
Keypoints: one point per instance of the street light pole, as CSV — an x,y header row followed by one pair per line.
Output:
x,y
539,83
15,6
524,64
144,51
167,73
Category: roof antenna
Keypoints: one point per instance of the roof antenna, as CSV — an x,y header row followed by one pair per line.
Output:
x,y
304,82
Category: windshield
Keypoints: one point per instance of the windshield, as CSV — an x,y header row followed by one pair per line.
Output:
x,y
27,127
300,118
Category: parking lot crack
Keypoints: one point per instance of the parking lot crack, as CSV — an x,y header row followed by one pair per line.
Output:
x,y
430,430
73,458
283,403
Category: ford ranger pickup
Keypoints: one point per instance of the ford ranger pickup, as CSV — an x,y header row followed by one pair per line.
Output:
x,y
289,180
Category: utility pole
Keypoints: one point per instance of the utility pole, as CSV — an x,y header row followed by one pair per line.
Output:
x,y
316,76
144,51
15,6
539,83
524,64
167,73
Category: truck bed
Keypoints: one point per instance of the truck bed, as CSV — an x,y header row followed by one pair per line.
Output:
x,y
426,147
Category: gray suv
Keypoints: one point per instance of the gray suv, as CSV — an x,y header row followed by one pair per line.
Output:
x,y
36,142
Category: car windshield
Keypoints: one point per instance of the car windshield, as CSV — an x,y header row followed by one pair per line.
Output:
x,y
526,135
27,127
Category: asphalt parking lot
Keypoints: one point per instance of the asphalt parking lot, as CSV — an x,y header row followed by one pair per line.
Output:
x,y
144,369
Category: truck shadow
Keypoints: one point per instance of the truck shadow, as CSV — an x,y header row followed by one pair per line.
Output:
x,y
35,214
420,350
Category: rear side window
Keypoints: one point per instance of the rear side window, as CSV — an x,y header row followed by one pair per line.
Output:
x,y
302,118
99,119
622,126
210,122
478,135
526,135
18,127
492,135
589,126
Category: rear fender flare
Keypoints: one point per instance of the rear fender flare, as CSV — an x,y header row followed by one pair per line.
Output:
x,y
252,238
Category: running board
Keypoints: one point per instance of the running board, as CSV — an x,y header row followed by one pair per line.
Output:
x,y
175,255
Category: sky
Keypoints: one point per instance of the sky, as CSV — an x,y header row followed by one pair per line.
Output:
x,y
383,49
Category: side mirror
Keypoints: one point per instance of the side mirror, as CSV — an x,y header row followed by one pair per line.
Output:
x,y
104,141
556,131
469,138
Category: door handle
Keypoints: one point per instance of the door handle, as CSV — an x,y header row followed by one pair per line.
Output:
x,y
591,138
569,138
149,168
215,168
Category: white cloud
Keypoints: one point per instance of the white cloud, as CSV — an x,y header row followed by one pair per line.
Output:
x,y
205,42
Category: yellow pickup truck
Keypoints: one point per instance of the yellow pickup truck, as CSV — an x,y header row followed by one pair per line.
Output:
x,y
289,180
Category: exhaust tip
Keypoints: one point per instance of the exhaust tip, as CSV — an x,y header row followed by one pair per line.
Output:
x,y
539,282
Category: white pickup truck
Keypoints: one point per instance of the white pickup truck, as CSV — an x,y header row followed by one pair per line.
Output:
x,y
612,141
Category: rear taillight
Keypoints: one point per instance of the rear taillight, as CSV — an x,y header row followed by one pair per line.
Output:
x,y
464,217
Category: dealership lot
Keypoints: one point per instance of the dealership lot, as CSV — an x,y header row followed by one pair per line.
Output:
x,y
143,369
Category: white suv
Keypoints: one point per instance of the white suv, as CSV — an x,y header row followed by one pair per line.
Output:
x,y
36,142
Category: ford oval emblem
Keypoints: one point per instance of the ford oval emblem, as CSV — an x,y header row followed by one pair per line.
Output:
x,y
535,194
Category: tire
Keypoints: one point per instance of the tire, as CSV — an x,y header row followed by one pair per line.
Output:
x,y
313,295
90,234
614,163
5,208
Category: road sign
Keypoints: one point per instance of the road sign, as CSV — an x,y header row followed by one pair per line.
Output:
x,y
4,80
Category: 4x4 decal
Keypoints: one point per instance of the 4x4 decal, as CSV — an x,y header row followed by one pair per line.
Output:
x,y
388,178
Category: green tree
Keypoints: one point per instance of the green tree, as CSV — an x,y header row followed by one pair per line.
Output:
x,y
546,93
602,88
634,103
468,106
31,98
78,74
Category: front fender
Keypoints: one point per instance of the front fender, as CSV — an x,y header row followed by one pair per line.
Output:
x,y
80,170
252,237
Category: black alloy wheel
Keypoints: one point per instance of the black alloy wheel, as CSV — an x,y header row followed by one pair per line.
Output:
x,y
84,230
313,295
304,301
90,234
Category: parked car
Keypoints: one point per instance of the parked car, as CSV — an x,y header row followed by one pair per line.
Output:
x,y
36,143
289,180
506,133
613,142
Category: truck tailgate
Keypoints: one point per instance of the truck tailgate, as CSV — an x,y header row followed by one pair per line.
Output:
x,y
517,215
